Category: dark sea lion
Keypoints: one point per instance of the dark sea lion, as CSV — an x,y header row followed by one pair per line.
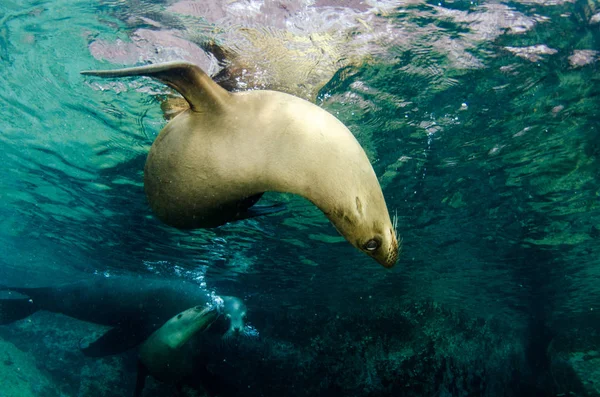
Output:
x,y
134,306
163,354
178,352
210,164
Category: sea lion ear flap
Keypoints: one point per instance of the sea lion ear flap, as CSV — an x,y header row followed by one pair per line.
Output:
x,y
198,89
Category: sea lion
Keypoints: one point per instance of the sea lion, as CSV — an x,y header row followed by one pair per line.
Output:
x,y
211,163
173,353
234,310
162,355
134,306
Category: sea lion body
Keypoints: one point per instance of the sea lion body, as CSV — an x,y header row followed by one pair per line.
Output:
x,y
134,306
163,355
188,164
210,164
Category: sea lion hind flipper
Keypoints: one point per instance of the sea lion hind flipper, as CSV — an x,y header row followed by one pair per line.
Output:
x,y
114,341
198,89
16,309
260,210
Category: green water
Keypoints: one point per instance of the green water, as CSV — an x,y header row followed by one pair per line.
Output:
x,y
491,161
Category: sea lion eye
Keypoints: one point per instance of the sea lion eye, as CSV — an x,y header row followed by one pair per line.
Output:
x,y
371,245
179,316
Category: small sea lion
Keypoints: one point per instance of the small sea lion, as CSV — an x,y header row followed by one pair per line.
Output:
x,y
163,355
211,163
234,311
134,306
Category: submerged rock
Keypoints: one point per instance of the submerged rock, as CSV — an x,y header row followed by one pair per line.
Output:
x,y
46,335
575,363
20,376
376,350
586,367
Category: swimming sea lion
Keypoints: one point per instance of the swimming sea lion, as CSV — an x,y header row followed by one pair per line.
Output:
x,y
162,355
134,306
173,353
234,310
211,163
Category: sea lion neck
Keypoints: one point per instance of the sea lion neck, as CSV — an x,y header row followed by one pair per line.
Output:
x,y
313,171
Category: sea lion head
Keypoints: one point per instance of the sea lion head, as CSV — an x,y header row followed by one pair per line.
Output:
x,y
363,219
234,311
180,328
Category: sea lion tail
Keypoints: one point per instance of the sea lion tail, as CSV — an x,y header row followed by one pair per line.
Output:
x,y
12,310
198,89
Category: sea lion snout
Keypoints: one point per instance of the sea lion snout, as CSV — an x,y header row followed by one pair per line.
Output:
x,y
392,254
376,239
388,259
393,251
383,248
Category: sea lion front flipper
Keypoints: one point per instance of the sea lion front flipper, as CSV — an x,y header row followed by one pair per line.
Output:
x,y
247,209
114,341
198,89
140,381
260,210
172,106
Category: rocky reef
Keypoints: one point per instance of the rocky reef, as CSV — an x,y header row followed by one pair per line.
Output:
x,y
410,350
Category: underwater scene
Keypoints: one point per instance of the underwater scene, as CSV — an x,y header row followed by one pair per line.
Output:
x,y
299,198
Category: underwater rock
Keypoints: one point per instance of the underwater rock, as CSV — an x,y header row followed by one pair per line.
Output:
x,y
586,368
575,363
105,377
45,335
20,376
415,350
419,349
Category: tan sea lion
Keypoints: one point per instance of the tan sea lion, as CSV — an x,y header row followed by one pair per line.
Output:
x,y
211,163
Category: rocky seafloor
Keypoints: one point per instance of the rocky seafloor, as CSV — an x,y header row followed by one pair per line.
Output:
x,y
416,350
